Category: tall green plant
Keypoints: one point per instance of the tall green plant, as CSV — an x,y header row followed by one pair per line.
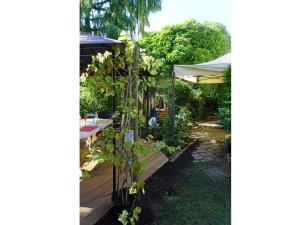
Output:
x,y
127,154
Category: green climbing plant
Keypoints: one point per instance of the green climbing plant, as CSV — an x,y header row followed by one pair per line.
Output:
x,y
118,145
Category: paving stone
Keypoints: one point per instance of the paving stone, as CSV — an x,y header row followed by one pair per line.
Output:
x,y
204,154
209,158
197,157
201,152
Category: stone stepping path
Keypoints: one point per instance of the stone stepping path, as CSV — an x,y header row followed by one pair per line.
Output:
x,y
216,174
206,151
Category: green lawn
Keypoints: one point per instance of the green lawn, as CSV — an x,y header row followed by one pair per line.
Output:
x,y
198,201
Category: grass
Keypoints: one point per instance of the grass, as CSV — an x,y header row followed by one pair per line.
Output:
x,y
199,201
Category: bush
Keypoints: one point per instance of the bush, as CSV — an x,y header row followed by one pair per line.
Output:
x,y
183,93
224,96
167,133
225,118
182,119
91,102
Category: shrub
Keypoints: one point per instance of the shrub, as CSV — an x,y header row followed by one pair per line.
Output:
x,y
182,119
92,101
225,118
167,134
183,93
224,96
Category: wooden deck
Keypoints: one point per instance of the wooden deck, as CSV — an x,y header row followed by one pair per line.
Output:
x,y
95,192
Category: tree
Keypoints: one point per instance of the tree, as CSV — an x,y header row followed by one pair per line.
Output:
x,y
187,43
110,17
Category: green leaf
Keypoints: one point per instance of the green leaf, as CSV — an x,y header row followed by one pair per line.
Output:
x,y
128,145
85,173
137,210
109,147
116,114
132,221
149,137
123,217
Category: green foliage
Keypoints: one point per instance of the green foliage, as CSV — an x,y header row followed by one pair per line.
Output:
x,y
182,120
130,217
183,93
225,118
127,155
187,43
224,96
91,100
109,17
224,90
200,99
169,150
167,135
85,173
123,218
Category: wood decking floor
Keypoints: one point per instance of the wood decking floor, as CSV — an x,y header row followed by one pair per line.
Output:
x,y
96,191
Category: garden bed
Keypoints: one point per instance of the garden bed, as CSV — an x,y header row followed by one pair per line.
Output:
x,y
173,188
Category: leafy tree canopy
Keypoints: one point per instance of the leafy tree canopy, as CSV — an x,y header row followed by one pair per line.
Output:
x,y
109,17
187,43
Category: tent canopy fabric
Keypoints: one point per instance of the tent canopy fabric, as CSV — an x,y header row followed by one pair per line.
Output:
x,y
209,72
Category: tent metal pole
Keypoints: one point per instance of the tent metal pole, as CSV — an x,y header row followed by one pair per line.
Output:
x,y
147,108
173,102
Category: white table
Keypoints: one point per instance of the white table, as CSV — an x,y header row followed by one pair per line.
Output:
x,y
90,137
103,123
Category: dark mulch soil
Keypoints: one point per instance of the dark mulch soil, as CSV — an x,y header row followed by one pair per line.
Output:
x,y
162,185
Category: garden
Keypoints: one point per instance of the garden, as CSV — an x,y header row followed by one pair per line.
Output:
x,y
158,172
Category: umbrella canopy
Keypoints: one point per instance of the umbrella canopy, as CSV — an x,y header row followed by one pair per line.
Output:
x,y
209,72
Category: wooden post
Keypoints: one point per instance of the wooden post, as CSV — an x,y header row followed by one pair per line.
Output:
x,y
114,140
136,90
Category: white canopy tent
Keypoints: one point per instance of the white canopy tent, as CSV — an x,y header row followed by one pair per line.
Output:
x,y
206,73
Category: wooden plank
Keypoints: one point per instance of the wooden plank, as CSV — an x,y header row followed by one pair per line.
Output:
x,y
98,184
101,180
157,158
95,192
154,167
85,210
96,213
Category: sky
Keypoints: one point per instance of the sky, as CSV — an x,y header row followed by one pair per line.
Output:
x,y
178,11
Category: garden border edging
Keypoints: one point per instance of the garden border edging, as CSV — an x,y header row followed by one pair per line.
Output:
x,y
176,155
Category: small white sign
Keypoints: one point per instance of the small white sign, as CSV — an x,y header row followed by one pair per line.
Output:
x,y
129,136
